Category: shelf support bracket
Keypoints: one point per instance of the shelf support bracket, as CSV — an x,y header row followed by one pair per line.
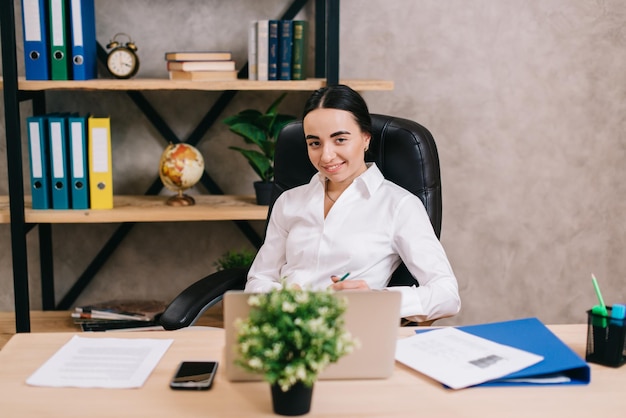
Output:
x,y
14,167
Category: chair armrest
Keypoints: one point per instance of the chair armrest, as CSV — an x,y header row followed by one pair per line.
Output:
x,y
192,302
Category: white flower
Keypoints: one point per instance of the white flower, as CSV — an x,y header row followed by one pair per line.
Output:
x,y
254,300
302,297
315,324
255,363
288,307
300,372
323,311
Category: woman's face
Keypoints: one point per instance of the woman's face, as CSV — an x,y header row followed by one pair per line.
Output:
x,y
335,144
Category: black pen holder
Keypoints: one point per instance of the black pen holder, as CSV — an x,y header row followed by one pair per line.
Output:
x,y
605,339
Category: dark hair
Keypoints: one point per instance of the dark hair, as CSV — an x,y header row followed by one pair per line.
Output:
x,y
343,98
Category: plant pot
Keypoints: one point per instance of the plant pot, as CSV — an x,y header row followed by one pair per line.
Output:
x,y
296,401
263,191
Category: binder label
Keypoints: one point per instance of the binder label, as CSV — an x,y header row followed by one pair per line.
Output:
x,y
56,9
35,149
77,150
57,150
77,24
100,150
32,29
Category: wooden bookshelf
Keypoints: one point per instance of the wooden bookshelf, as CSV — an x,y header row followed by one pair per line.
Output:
x,y
61,321
136,208
147,209
143,84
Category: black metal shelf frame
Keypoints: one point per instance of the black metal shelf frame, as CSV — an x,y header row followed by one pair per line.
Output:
x,y
326,65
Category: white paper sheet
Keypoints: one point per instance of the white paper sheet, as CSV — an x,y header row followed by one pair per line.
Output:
x,y
459,359
101,363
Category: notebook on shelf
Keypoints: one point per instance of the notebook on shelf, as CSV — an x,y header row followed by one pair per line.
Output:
x,y
371,316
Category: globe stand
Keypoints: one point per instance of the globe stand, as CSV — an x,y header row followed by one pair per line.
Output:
x,y
181,166
181,199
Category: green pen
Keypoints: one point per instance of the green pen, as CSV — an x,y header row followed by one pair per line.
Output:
x,y
599,295
601,308
344,277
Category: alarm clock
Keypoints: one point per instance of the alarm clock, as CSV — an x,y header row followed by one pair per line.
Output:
x,y
122,59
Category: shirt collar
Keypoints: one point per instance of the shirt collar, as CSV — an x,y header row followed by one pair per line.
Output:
x,y
370,180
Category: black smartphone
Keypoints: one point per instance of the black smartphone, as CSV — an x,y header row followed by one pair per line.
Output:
x,y
194,375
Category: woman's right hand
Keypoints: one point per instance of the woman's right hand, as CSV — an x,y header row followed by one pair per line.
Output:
x,y
348,284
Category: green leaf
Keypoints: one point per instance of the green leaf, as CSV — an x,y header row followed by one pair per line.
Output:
x,y
273,109
245,116
235,259
260,129
279,124
250,133
259,163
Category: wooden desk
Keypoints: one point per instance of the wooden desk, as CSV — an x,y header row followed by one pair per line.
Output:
x,y
406,393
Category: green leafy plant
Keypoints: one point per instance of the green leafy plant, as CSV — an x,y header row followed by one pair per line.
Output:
x,y
260,129
234,259
291,335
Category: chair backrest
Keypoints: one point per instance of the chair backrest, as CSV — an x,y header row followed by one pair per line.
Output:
x,y
404,151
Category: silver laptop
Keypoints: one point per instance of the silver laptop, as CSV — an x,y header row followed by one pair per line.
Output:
x,y
371,316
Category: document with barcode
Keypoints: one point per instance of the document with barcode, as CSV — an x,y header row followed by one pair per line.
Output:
x,y
459,359
101,363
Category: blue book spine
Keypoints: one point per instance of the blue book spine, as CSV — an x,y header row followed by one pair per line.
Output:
x,y
77,128
285,49
83,39
272,46
57,126
38,147
35,30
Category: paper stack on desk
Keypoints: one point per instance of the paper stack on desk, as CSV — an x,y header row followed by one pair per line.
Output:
x,y
482,354
458,359
101,363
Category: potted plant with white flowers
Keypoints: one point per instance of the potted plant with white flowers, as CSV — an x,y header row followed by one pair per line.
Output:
x,y
289,337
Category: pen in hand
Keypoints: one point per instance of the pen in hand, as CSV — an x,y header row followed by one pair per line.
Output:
x,y
344,277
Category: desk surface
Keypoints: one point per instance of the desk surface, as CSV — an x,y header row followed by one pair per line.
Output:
x,y
406,393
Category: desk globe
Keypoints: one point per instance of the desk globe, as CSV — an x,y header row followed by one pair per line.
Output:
x,y
180,168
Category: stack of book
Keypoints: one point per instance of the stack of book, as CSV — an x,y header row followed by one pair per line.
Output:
x,y
201,65
277,50
119,315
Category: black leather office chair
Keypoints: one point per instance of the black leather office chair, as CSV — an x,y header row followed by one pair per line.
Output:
x,y
405,153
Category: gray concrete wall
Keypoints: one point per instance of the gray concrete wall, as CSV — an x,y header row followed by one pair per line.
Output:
x,y
525,99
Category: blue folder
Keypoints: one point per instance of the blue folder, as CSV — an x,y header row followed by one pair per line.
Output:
x,y
38,147
77,130
57,125
83,39
532,335
35,29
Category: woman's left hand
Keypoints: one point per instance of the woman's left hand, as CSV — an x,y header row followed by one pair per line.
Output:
x,y
348,284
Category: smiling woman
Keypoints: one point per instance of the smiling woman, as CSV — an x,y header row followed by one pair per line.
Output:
x,y
338,155
349,218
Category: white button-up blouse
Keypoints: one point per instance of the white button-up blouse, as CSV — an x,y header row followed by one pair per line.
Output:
x,y
374,225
